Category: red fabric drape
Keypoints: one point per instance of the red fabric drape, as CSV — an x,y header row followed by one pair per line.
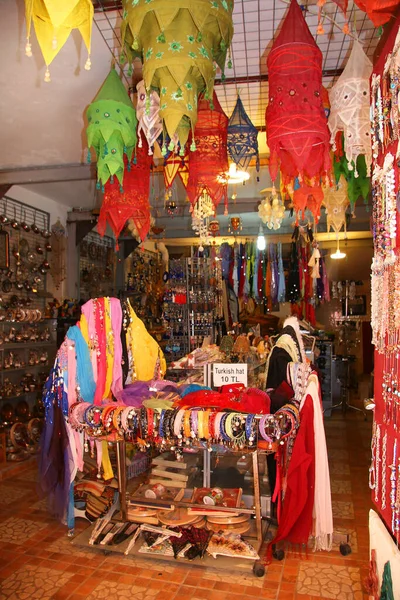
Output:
x,y
210,159
297,130
132,202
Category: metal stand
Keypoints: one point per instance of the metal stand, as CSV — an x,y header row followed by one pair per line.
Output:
x,y
344,403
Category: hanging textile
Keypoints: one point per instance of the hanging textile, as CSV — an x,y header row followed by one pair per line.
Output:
x,y
133,201
111,130
357,187
242,138
336,202
379,11
350,110
209,164
53,22
148,115
297,131
179,41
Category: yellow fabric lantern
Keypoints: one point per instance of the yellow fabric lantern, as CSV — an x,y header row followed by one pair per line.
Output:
x,y
53,21
179,41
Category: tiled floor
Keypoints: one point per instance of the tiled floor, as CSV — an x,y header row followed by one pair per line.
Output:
x,y
38,562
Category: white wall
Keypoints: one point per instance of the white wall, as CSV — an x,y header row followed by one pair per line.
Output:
x,y
56,210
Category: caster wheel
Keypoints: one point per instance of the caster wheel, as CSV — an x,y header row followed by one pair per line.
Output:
x,y
258,569
278,554
106,552
345,549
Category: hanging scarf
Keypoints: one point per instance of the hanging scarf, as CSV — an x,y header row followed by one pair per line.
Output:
x,y
242,271
281,276
387,585
87,323
84,371
236,268
101,350
116,322
109,349
323,527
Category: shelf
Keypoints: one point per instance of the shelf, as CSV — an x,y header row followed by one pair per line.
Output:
x,y
25,368
25,345
24,395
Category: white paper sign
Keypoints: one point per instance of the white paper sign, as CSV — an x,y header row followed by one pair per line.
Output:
x,y
224,374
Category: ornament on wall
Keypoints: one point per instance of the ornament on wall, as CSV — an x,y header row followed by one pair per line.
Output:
x,y
111,131
242,138
213,227
53,22
171,207
271,209
179,41
133,201
297,130
235,225
57,260
208,165
148,115
350,109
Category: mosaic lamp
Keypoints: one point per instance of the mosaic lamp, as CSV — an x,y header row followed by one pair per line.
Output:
x,y
179,41
112,130
297,131
54,21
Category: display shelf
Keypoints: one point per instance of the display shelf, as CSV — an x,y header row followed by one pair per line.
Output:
x,y
25,345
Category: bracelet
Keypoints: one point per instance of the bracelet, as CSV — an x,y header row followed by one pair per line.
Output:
x,y
161,431
206,424
92,416
132,421
124,417
217,425
186,424
262,428
178,423
194,421
117,417
150,422
211,423
223,433
200,424
229,428
250,428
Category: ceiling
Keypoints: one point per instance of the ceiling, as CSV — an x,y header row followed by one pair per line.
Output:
x,y
43,124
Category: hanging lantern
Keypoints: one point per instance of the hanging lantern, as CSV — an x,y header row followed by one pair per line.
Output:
x,y
179,41
133,202
379,11
148,115
175,164
350,108
297,131
357,187
242,138
210,161
336,202
213,227
235,225
342,4
111,130
271,209
53,22
307,196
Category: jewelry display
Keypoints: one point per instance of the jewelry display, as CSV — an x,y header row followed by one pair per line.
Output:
x,y
384,449
377,461
393,479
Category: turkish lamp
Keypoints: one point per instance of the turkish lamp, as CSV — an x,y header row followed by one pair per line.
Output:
x,y
338,254
261,244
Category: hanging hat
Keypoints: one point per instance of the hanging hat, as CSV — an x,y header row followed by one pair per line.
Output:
x,y
350,107
209,164
242,138
179,41
297,131
131,203
112,129
53,21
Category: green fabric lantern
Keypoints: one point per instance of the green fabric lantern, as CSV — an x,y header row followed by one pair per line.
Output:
x,y
357,187
179,41
112,129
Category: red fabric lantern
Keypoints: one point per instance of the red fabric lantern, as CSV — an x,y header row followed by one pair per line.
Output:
x,y
131,201
297,130
309,197
209,162
379,11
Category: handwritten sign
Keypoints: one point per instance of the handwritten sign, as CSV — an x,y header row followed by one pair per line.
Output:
x,y
224,374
